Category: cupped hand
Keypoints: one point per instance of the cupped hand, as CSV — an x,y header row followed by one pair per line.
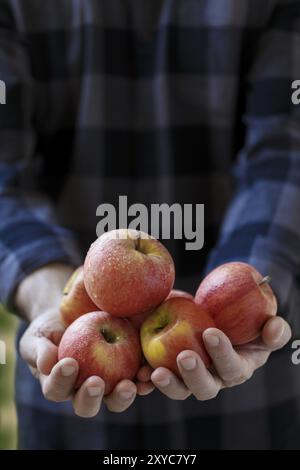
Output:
x,y
39,348
231,365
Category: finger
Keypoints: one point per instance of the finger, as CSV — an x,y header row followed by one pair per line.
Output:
x,y
46,355
28,349
144,374
196,377
276,333
58,386
34,372
39,353
121,397
144,388
169,384
87,401
232,368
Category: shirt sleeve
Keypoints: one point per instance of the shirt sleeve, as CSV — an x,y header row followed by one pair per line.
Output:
x,y
262,225
29,234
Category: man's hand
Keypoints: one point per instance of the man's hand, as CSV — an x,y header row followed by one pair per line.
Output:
x,y
39,348
41,292
231,366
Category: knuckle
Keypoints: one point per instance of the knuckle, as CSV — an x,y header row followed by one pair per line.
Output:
x,y
224,362
206,395
180,397
34,372
116,408
263,362
22,347
51,393
230,376
234,382
120,410
237,380
86,414
249,375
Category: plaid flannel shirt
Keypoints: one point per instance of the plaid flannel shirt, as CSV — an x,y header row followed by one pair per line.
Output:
x,y
163,101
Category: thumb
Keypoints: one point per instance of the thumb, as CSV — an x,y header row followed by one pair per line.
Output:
x,y
39,344
276,333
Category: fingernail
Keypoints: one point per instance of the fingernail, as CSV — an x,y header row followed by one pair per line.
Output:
x,y
67,371
280,333
94,391
163,382
212,340
126,395
188,363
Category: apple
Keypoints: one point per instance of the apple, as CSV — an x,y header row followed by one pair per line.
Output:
x,y
75,301
127,272
176,325
138,320
180,293
103,346
239,299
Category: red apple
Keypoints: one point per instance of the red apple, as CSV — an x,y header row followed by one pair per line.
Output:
x,y
180,293
75,301
176,325
138,320
127,272
239,299
103,346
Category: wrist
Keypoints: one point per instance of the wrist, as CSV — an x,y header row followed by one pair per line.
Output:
x,y
42,290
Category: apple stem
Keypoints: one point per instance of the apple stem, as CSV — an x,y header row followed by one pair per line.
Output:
x,y
265,280
137,243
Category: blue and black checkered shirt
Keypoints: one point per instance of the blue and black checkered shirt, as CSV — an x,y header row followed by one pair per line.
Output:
x,y
183,101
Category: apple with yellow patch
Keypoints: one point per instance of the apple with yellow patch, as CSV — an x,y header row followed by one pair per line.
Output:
x,y
75,301
103,346
176,325
138,320
128,272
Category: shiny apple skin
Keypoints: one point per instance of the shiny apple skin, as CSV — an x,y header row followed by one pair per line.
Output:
x,y
180,293
185,323
128,275
84,341
75,301
240,307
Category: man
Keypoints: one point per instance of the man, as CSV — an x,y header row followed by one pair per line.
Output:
x,y
155,100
